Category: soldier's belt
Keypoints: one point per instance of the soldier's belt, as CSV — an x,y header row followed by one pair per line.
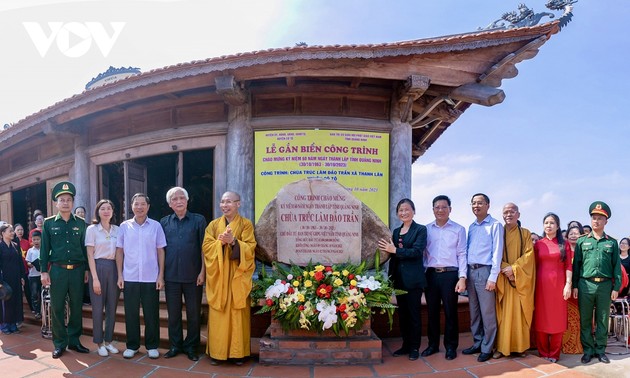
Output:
x,y
68,266
597,279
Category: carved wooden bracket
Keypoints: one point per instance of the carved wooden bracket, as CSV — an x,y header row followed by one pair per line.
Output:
x,y
51,128
478,94
414,88
230,90
442,111
506,67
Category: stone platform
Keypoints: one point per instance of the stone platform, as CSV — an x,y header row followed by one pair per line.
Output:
x,y
301,347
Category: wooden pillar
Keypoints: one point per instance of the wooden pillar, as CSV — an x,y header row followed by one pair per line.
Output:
x,y
240,158
400,167
240,143
400,141
80,174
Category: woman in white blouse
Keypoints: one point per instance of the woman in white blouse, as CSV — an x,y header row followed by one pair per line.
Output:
x,y
100,241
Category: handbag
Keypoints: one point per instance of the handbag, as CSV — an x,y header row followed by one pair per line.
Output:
x,y
5,291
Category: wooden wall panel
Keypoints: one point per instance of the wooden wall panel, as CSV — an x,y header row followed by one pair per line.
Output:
x,y
53,147
375,109
108,131
201,113
151,121
265,107
322,105
23,158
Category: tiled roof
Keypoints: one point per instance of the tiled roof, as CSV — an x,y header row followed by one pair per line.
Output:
x,y
456,42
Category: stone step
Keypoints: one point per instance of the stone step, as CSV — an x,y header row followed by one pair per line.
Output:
x,y
259,323
119,327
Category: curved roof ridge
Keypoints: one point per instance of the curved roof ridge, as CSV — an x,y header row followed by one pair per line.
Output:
x,y
454,42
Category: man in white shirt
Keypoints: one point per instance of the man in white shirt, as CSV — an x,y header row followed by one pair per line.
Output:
x,y
445,260
485,247
140,263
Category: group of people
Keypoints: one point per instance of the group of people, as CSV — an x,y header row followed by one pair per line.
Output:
x,y
521,289
178,254
19,249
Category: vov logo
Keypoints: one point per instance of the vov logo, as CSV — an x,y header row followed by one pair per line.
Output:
x,y
73,39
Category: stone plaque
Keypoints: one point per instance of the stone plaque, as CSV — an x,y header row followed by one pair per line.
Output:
x,y
318,220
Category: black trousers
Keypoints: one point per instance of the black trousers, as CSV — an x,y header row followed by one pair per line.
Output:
x,y
192,299
35,286
145,294
409,317
441,293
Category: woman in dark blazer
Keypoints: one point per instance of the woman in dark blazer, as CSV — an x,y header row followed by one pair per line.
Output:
x,y
406,270
11,272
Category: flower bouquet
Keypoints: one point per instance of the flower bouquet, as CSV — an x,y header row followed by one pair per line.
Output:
x,y
318,297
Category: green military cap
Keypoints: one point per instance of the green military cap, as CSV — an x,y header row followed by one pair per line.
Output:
x,y
64,187
601,208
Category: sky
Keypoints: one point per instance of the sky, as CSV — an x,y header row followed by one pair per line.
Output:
x,y
557,143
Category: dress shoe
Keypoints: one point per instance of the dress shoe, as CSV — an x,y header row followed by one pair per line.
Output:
x,y
414,354
401,352
58,352
214,362
603,358
472,350
79,348
497,355
429,351
586,358
483,357
451,354
192,356
171,353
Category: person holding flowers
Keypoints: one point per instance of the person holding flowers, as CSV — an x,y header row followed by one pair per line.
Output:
x,y
406,269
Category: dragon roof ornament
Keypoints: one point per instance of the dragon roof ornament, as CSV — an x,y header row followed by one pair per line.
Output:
x,y
527,17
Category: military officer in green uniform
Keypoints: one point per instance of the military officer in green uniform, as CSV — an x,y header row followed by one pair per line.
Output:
x,y
63,261
596,281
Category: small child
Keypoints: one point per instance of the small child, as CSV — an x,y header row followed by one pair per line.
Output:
x,y
34,275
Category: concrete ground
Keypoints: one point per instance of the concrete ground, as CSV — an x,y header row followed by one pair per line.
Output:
x,y
28,355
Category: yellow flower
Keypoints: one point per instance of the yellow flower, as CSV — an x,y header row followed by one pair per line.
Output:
x,y
338,282
335,273
345,273
308,283
305,273
296,283
311,273
353,282
300,297
319,268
